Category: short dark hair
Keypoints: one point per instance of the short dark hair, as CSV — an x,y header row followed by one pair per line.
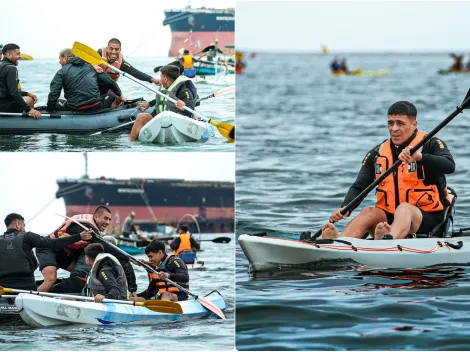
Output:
x,y
9,47
403,108
12,218
186,52
155,246
114,41
92,250
101,209
184,228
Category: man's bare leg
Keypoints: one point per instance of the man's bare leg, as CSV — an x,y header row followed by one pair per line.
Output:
x,y
366,221
140,121
169,296
407,219
29,101
50,277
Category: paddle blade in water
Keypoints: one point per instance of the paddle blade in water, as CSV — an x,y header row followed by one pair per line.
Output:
x,y
87,54
161,306
222,240
210,306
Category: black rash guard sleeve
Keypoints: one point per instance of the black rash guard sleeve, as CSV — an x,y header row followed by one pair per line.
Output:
x,y
437,158
126,67
34,240
13,91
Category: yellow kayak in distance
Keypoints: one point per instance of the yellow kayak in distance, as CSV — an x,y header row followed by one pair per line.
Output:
x,y
359,72
447,72
24,56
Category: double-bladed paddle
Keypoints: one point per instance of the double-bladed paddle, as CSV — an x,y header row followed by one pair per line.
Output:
x,y
154,305
91,56
204,302
219,93
360,197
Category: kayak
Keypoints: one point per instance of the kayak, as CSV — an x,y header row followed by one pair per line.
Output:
x,y
359,72
40,311
447,72
172,128
266,253
68,122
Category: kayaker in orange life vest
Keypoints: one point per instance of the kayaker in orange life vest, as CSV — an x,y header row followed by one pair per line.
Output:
x,y
184,242
170,267
410,200
112,55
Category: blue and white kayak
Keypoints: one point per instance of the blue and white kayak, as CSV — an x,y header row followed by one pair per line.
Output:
x,y
267,253
172,128
39,311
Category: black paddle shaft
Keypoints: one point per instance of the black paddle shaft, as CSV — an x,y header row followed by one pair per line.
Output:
x,y
363,194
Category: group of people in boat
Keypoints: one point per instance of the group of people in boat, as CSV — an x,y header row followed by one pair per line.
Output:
x,y
339,66
458,64
92,87
414,198
97,268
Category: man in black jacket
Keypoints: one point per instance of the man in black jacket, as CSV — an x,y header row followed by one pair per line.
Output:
x,y
18,261
169,267
175,85
84,88
410,200
12,98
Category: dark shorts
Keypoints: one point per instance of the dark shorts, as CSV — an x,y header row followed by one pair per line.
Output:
x,y
105,102
182,296
430,221
72,284
53,257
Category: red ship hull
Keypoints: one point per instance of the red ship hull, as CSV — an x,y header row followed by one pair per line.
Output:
x,y
196,41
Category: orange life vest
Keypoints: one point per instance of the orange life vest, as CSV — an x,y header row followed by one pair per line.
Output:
x,y
406,183
117,63
187,61
162,285
85,219
185,243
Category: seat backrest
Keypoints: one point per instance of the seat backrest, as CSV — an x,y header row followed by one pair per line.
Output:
x,y
442,229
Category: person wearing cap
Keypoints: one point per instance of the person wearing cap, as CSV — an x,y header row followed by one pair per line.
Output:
x,y
16,250
211,51
129,226
12,97
175,85
113,56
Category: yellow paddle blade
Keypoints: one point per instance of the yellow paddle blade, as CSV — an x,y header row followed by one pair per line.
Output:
x,y
161,306
324,49
4,290
88,54
227,130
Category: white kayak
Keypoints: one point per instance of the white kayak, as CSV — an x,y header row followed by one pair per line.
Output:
x,y
196,266
267,253
39,311
172,128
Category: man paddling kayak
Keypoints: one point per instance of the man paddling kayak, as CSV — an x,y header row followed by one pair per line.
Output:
x,y
412,199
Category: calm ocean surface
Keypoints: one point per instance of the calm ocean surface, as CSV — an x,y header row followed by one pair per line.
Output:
x,y
36,76
204,334
301,136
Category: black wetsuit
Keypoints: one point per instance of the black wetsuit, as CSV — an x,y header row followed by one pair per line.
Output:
x,y
437,162
11,99
178,273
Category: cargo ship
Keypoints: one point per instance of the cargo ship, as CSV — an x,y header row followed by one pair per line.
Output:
x,y
195,29
155,201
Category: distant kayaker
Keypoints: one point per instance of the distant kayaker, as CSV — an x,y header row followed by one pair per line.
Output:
x,y
128,226
176,86
419,183
170,267
211,51
113,56
84,88
18,261
12,97
344,66
457,65
335,65
184,242
72,258
106,278
1,53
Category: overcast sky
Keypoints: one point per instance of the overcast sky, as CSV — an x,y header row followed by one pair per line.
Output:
x,y
30,181
43,28
352,26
